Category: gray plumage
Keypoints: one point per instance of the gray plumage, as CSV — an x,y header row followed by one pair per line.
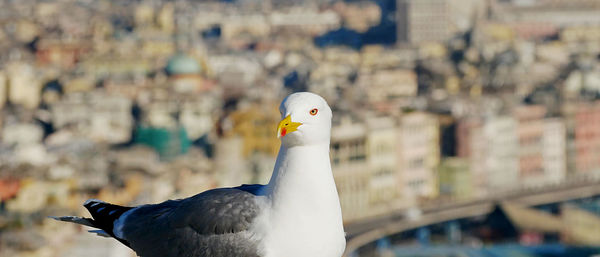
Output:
x,y
214,223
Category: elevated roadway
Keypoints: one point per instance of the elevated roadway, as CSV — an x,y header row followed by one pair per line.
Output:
x,y
366,231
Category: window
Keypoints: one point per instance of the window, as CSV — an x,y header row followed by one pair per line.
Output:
x,y
383,172
416,163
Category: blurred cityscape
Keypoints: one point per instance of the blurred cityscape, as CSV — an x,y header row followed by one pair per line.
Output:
x,y
435,102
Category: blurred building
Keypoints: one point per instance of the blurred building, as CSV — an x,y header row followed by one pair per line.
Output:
x,y
469,147
155,43
3,90
455,180
35,195
199,116
580,33
120,65
256,124
554,150
542,154
350,168
22,134
587,138
418,154
185,74
24,87
103,118
366,168
465,129
239,28
420,21
388,85
386,191
63,54
530,133
231,162
305,19
359,15
539,12
494,154
235,72
538,19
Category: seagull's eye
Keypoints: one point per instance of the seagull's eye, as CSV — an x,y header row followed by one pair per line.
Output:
x,y
313,112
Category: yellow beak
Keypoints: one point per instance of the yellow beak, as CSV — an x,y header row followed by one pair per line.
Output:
x,y
287,126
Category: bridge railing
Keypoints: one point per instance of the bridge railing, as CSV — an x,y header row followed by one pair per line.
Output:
x,y
508,193
440,210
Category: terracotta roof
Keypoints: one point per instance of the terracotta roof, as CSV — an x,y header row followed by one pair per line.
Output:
x,y
8,188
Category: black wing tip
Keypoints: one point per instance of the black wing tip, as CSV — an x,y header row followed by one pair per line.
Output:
x,y
92,202
103,211
105,214
63,218
96,206
75,219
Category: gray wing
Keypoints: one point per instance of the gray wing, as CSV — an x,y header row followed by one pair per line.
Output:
x,y
212,224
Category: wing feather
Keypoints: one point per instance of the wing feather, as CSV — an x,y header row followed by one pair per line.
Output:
x,y
213,223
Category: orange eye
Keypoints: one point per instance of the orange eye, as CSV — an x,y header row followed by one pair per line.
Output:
x,y
313,112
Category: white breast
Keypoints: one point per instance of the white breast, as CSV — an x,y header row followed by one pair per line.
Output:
x,y
314,234
303,215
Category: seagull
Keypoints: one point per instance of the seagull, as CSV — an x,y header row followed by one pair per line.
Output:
x,y
297,214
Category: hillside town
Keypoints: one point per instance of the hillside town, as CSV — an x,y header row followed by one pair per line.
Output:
x,y
136,102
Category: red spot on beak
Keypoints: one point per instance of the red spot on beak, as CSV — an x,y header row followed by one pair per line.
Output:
x,y
283,132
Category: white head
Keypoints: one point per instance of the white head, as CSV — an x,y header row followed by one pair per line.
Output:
x,y
306,120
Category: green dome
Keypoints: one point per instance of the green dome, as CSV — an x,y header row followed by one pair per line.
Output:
x,y
168,143
183,64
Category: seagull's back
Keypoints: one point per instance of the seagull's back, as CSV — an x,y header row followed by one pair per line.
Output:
x,y
214,223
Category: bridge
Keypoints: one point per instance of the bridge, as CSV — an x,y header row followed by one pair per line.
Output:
x,y
369,230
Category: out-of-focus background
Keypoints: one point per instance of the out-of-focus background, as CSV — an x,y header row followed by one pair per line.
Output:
x,y
461,127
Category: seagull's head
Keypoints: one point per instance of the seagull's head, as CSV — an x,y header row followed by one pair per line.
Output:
x,y
306,120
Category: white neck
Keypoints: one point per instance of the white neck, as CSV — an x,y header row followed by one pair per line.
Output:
x,y
304,204
302,175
